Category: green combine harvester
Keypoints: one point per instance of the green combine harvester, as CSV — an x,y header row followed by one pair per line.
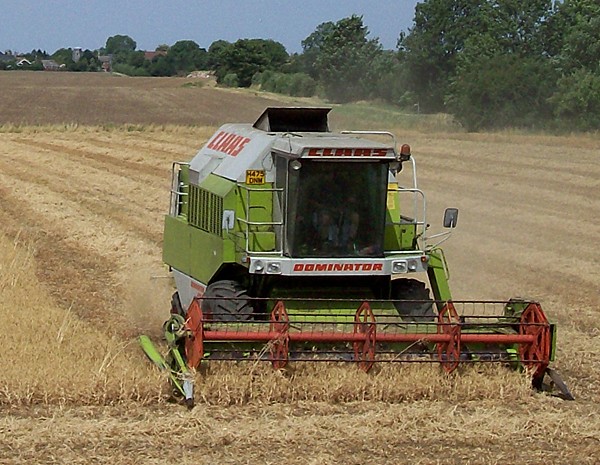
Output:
x,y
288,242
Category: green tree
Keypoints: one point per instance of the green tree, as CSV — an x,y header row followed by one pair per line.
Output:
x,y
63,56
35,66
388,79
231,80
91,59
294,84
133,58
576,35
215,53
129,70
188,56
503,90
521,25
344,55
80,66
36,55
311,48
449,34
119,44
162,65
122,48
246,57
301,85
429,51
577,100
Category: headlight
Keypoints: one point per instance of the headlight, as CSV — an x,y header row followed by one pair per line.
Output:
x,y
259,266
274,268
399,266
412,264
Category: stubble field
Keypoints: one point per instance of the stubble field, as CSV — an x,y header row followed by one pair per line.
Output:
x,y
84,180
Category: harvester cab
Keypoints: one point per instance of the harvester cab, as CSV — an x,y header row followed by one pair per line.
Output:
x,y
288,241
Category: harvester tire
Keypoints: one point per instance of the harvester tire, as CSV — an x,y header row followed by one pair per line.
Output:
x,y
227,300
413,290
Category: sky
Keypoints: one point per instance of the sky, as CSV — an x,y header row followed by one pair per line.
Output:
x,y
52,24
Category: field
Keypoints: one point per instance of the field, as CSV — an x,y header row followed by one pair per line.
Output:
x,y
84,178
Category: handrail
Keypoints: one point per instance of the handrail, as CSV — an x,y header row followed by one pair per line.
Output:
x,y
246,221
175,202
420,216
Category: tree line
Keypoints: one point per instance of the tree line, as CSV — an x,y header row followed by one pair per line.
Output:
x,y
490,63
500,63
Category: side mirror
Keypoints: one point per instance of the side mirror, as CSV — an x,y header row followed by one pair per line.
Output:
x,y
450,217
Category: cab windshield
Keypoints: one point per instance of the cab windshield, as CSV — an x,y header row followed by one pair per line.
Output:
x,y
336,209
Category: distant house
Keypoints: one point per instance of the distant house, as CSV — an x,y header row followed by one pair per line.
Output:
x,y
50,65
151,55
23,61
5,57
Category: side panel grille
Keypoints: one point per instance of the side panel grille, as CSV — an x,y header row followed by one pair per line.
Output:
x,y
205,210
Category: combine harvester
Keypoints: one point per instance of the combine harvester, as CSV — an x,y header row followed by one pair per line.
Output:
x,y
288,242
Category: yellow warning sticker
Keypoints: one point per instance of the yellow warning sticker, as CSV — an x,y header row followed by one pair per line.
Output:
x,y
255,177
391,196
391,201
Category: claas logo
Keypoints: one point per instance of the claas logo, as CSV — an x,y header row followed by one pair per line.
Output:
x,y
231,144
347,152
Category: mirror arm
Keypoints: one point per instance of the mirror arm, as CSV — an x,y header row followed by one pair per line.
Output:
x,y
444,235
